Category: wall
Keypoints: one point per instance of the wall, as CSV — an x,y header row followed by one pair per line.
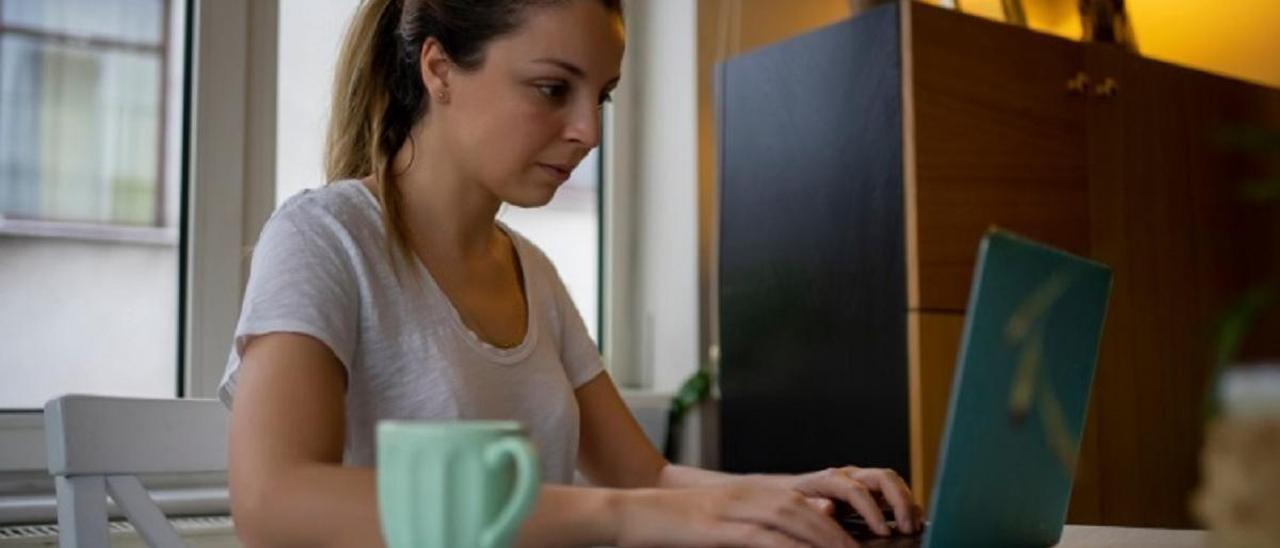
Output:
x,y
83,316
1240,38
310,33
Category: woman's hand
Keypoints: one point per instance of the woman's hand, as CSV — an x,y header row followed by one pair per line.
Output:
x,y
743,514
864,489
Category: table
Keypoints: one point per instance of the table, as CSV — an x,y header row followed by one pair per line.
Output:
x,y
1129,537
1088,536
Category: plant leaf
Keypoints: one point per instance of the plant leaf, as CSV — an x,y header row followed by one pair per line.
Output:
x,y
1265,190
1251,138
695,389
1233,327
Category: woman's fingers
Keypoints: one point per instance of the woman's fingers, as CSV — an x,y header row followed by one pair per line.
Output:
x,y
917,513
729,515
822,504
837,484
860,497
792,514
895,491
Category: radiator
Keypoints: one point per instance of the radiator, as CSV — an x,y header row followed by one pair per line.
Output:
x,y
197,532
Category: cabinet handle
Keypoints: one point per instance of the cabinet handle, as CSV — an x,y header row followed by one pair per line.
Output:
x,y
1078,83
1108,88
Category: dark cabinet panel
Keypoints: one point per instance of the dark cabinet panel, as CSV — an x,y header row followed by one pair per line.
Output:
x,y
811,253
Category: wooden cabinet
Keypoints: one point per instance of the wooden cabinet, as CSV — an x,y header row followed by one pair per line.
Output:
x,y
1167,213
994,138
861,164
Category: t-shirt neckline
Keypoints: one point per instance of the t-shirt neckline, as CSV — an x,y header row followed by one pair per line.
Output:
x,y
501,355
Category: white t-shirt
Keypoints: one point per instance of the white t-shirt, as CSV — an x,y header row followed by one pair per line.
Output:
x,y
322,268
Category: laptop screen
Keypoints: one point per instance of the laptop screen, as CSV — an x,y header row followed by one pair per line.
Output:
x,y
1020,395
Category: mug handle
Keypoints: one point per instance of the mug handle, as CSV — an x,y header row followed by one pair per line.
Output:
x,y
523,493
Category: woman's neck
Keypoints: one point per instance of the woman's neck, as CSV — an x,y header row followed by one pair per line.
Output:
x,y
444,212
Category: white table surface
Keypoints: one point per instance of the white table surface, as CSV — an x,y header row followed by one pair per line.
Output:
x,y
1087,536
1129,537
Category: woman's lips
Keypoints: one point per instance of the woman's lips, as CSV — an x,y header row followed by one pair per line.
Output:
x,y
561,173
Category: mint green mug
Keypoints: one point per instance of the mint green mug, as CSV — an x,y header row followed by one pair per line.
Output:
x,y
454,484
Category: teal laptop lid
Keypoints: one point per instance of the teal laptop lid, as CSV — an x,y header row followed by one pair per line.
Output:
x,y
1019,396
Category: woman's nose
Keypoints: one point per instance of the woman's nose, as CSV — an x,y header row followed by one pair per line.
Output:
x,y
584,125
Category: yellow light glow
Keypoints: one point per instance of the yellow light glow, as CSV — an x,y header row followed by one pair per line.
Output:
x,y
1240,38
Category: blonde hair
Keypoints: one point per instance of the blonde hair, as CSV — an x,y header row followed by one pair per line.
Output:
x,y
359,141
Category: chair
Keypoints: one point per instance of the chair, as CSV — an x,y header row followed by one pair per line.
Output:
x,y
99,445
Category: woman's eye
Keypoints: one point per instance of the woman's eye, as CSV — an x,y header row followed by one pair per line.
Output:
x,y
606,98
553,91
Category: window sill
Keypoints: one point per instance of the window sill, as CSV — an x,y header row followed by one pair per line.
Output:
x,y
146,235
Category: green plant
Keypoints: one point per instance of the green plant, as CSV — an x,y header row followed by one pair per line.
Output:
x,y
695,390
1238,322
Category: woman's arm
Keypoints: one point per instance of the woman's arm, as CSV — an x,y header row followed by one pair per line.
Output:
x,y
288,485
287,482
614,451
612,448
289,488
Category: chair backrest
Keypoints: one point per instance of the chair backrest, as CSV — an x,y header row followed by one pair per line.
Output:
x,y
97,445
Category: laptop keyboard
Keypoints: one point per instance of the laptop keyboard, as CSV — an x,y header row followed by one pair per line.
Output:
x,y
858,528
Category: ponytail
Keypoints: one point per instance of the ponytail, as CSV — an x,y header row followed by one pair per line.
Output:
x,y
376,98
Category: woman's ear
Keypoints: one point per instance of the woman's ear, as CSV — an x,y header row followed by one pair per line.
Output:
x,y
436,68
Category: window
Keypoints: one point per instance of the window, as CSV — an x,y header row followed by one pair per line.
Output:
x,y
567,229
82,120
90,145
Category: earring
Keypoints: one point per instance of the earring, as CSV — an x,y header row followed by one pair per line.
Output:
x,y
442,96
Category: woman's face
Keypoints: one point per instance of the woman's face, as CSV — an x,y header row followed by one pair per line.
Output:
x,y
524,120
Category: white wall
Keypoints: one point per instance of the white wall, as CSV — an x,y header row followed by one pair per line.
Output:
x,y
310,34
86,317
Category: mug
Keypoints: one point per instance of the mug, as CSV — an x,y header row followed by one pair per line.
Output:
x,y
454,484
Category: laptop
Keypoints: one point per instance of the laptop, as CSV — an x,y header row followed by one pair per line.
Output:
x,y
1018,398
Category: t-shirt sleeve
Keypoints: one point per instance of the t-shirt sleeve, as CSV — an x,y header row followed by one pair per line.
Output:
x,y
299,282
579,353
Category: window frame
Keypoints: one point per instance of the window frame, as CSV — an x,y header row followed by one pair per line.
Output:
x,y
651,257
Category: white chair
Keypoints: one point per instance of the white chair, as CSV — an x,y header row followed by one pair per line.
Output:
x,y
98,445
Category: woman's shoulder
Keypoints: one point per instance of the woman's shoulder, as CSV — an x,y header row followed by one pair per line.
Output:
x,y
342,199
338,220
340,207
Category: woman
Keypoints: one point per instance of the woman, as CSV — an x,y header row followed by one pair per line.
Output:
x,y
394,293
